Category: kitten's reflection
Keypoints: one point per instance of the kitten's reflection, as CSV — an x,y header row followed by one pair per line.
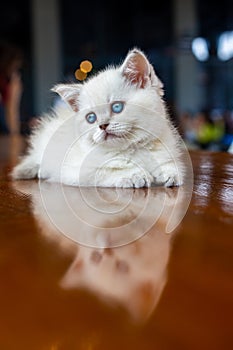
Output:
x,y
132,274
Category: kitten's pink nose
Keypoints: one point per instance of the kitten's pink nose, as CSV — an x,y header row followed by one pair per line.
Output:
x,y
103,126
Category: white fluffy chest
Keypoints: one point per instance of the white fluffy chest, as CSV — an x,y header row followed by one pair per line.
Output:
x,y
102,167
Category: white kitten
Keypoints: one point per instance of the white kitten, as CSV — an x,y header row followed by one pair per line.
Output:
x,y
116,133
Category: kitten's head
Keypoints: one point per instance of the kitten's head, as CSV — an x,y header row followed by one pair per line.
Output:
x,y
120,105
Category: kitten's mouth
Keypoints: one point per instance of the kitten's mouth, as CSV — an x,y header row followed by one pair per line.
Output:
x,y
110,135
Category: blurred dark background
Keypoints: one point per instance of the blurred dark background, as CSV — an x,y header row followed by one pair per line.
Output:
x,y
189,42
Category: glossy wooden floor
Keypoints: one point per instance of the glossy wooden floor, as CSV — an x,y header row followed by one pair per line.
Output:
x,y
162,291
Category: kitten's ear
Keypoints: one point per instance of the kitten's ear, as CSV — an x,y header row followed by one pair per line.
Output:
x,y
137,70
69,93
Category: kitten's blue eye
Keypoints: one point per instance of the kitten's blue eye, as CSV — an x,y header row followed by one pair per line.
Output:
x,y
117,107
91,117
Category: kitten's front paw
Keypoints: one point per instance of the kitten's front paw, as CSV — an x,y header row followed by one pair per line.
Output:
x,y
137,181
168,176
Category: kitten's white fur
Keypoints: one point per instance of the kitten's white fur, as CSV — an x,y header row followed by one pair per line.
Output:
x,y
139,146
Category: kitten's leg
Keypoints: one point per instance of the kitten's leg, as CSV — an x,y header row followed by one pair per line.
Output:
x,y
127,179
135,181
168,175
26,169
